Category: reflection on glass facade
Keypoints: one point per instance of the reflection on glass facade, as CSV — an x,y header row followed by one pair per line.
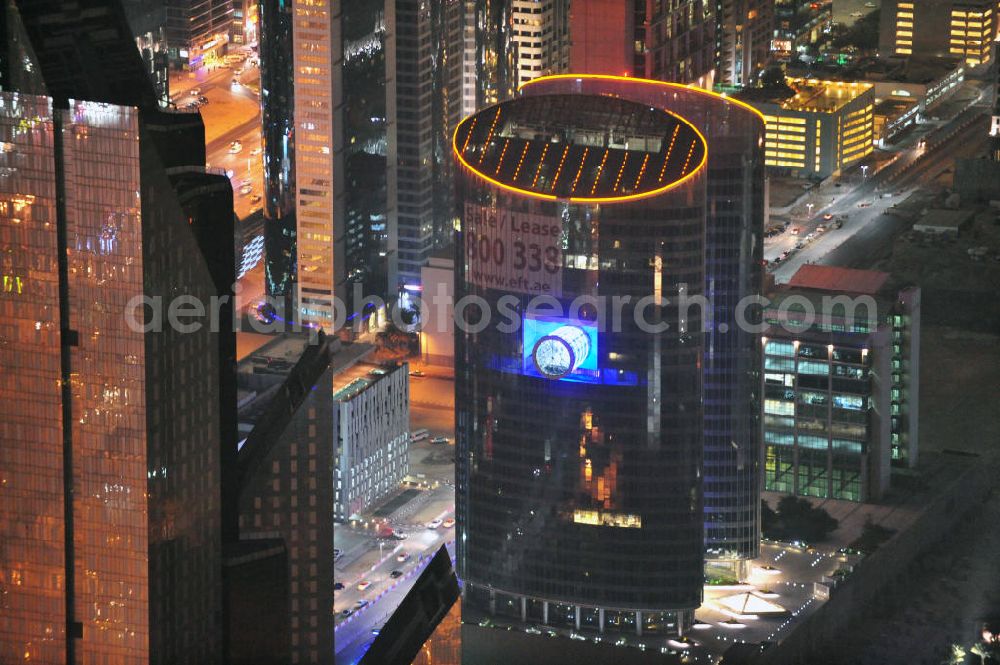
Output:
x,y
109,463
278,139
579,439
734,253
100,161
32,556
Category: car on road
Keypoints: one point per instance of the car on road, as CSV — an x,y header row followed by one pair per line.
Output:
x,y
338,586
810,237
795,230
347,612
255,199
448,523
864,204
363,584
440,439
256,151
396,574
433,524
337,553
400,536
194,92
361,604
246,189
419,435
856,14
236,81
417,373
235,147
828,216
402,556
203,100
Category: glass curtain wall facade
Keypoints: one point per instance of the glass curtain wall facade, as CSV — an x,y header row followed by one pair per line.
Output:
x,y
102,512
278,137
579,439
734,250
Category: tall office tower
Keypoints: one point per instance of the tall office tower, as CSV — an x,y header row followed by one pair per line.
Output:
x,y
495,52
734,249
277,99
370,240
469,82
410,135
541,34
666,41
579,433
745,28
110,465
149,26
323,109
317,59
964,28
424,88
448,22
197,31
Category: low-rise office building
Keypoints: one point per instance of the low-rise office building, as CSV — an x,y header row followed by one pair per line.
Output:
x,y
841,370
816,128
960,28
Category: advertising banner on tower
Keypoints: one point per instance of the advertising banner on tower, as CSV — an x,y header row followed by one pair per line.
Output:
x,y
513,251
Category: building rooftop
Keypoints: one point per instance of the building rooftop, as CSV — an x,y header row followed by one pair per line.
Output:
x,y
86,51
945,219
581,148
352,381
893,107
809,94
841,280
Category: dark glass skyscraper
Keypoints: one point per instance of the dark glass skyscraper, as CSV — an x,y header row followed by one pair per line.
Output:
x,y
579,432
734,271
277,85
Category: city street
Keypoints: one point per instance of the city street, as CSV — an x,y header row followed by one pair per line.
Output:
x,y
231,114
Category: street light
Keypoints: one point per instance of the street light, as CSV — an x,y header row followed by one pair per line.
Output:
x,y
864,171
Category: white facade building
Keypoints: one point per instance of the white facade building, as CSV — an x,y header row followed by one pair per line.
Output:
x,y
371,429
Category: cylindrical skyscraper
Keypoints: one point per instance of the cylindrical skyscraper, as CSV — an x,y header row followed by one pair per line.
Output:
x,y
733,273
579,407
